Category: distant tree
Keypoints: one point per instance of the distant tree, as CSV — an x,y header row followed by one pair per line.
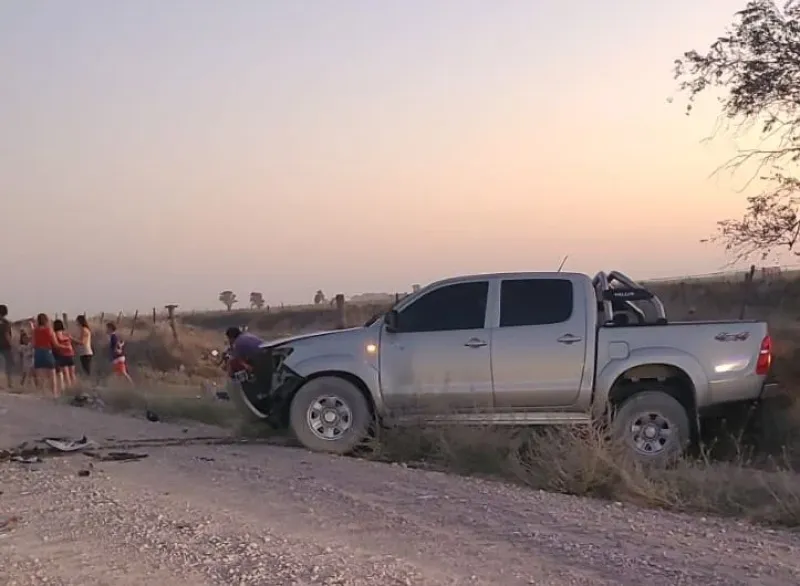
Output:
x,y
754,67
228,298
256,300
319,297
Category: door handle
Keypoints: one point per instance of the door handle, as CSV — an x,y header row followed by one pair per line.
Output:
x,y
569,339
475,343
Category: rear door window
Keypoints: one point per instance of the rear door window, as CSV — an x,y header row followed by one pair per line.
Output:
x,y
535,302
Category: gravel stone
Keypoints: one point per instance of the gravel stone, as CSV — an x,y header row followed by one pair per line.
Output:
x,y
260,515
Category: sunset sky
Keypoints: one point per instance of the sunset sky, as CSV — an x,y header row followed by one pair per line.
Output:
x,y
157,151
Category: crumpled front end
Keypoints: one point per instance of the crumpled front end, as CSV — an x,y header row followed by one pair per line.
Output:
x,y
262,392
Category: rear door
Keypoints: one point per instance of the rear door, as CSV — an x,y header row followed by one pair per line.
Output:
x,y
539,343
438,362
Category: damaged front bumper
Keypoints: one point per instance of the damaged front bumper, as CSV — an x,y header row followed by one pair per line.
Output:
x,y
267,388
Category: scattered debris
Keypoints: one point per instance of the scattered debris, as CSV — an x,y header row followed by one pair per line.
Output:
x,y
115,456
85,399
8,523
152,416
67,445
223,396
26,459
83,473
80,400
21,451
204,458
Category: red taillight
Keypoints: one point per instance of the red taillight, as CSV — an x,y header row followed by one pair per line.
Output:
x,y
764,356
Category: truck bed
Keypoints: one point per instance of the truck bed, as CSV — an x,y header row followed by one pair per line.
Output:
x,y
723,354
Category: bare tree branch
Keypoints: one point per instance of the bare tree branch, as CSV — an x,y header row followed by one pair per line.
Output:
x,y
756,64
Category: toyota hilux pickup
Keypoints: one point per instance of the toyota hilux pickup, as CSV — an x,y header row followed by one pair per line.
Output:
x,y
517,349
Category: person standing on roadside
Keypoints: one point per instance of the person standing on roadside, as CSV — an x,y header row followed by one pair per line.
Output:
x,y
64,355
6,346
25,353
83,344
45,344
116,346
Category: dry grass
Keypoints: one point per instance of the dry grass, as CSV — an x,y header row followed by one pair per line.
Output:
x,y
175,403
580,461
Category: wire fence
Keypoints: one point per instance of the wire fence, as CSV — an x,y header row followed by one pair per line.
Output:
x,y
772,271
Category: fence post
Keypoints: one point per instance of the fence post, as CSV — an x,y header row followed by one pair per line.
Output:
x,y
171,317
341,314
65,320
748,283
133,325
154,316
102,317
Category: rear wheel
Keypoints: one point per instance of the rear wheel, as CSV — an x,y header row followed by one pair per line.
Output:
x,y
330,414
653,426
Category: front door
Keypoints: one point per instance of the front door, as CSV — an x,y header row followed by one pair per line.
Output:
x,y
439,359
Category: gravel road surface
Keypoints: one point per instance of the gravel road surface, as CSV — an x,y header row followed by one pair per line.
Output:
x,y
262,515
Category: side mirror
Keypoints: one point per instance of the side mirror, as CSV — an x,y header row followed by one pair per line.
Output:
x,y
390,321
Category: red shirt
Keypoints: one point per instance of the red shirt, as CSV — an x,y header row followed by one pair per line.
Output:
x,y
65,348
44,338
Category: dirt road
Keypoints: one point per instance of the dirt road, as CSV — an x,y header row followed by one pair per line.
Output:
x,y
261,515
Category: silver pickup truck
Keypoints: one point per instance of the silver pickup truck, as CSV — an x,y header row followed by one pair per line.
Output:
x,y
513,349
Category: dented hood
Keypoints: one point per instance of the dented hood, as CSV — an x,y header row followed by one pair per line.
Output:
x,y
282,341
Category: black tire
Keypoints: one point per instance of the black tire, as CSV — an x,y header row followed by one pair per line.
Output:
x,y
335,394
661,411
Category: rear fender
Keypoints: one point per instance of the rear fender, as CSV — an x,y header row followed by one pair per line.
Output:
x,y
666,356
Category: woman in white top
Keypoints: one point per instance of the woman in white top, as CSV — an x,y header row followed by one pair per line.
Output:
x,y
84,345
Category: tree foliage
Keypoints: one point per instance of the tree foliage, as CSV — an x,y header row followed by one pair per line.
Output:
x,y
228,298
256,300
754,66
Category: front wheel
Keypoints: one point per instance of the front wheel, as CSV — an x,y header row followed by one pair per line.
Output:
x,y
330,414
653,426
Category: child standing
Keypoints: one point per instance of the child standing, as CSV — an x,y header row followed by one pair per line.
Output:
x,y
26,358
117,352
64,355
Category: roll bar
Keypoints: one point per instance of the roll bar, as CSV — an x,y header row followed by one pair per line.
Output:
x,y
627,293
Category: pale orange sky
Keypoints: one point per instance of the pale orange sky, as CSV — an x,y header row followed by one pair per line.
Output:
x,y
161,151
